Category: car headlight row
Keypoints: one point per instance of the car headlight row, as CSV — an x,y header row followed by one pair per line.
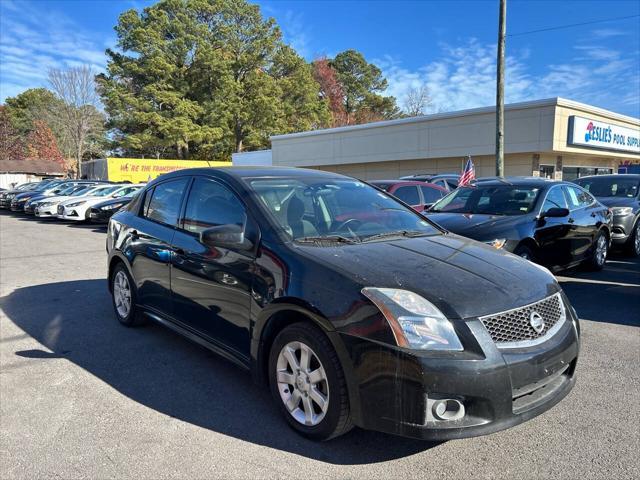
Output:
x,y
75,204
415,322
112,207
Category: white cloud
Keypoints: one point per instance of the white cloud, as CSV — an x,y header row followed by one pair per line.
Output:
x,y
463,76
31,43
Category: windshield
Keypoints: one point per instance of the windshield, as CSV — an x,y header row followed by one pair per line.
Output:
x,y
82,191
68,190
336,209
104,191
611,187
489,200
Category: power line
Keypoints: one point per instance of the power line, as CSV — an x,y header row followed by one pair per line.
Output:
x,y
572,25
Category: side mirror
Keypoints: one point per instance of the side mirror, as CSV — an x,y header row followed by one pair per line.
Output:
x,y
226,236
555,213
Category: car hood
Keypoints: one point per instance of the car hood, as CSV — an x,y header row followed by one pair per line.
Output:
x,y
58,198
113,201
618,201
462,277
477,226
82,199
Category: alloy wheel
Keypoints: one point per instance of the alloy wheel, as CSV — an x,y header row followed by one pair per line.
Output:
x,y
636,240
302,383
122,294
601,250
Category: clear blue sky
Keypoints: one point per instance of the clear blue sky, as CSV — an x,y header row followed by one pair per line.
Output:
x,y
447,45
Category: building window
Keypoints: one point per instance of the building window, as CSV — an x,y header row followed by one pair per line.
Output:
x,y
571,173
547,171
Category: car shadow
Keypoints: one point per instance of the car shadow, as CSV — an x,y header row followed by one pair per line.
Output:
x,y
611,295
161,370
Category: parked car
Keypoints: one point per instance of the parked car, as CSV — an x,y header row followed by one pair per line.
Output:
x,y
8,195
556,224
102,212
621,193
390,324
48,206
419,195
448,181
62,192
46,187
77,209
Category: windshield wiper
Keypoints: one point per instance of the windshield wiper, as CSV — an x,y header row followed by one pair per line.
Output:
x,y
328,238
397,233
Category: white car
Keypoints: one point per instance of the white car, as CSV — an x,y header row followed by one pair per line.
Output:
x,y
48,206
77,209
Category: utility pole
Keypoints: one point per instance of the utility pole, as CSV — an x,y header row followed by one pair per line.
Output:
x,y
502,30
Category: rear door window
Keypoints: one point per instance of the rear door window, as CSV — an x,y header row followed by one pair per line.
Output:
x,y
555,199
408,194
577,198
431,195
163,204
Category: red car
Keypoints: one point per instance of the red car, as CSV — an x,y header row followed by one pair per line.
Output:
x,y
419,195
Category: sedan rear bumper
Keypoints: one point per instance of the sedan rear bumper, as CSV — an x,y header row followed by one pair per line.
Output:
x,y
398,391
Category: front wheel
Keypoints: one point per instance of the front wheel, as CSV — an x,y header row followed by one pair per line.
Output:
x,y
633,244
524,252
307,382
600,251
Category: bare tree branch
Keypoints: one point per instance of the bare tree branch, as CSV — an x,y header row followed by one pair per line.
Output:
x,y
417,101
76,88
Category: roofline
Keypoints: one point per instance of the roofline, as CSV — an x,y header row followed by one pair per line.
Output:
x,y
546,102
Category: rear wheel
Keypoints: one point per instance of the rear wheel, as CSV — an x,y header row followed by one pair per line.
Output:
x,y
600,251
123,295
307,382
633,244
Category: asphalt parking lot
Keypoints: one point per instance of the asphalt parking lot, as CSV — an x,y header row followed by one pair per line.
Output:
x,y
83,397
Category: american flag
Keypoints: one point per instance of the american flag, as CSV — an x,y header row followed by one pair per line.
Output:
x,y
468,174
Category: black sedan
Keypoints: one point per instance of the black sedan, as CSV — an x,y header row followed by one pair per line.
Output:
x,y
351,306
102,212
621,193
557,224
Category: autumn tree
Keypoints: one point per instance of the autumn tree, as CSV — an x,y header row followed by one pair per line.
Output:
x,y
330,90
363,84
41,144
204,78
11,146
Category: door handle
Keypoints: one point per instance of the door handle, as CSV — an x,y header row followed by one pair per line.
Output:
x,y
571,220
178,251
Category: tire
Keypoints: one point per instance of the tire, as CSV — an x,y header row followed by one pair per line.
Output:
x,y
302,392
632,247
131,316
525,252
598,257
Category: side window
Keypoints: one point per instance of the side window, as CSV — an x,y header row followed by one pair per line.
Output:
x,y
577,198
211,204
408,194
555,199
431,195
164,204
147,199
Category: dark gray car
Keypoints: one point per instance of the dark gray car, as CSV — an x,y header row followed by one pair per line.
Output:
x,y
621,193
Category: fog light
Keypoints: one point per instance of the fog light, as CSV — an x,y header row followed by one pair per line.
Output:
x,y
447,409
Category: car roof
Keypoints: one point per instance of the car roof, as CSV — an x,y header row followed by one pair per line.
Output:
x,y
635,176
252,172
519,181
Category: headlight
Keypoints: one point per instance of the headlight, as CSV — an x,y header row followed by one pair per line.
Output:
x,y
46,204
415,322
112,207
75,204
498,243
622,210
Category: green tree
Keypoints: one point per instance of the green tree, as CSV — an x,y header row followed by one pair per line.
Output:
x,y
204,78
362,84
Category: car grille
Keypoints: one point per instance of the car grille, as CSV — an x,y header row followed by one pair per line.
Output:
x,y
515,325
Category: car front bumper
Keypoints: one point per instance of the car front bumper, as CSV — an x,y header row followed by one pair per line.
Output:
x,y
97,215
622,228
48,211
394,390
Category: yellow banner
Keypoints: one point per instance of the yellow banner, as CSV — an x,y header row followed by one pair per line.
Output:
x,y
139,170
